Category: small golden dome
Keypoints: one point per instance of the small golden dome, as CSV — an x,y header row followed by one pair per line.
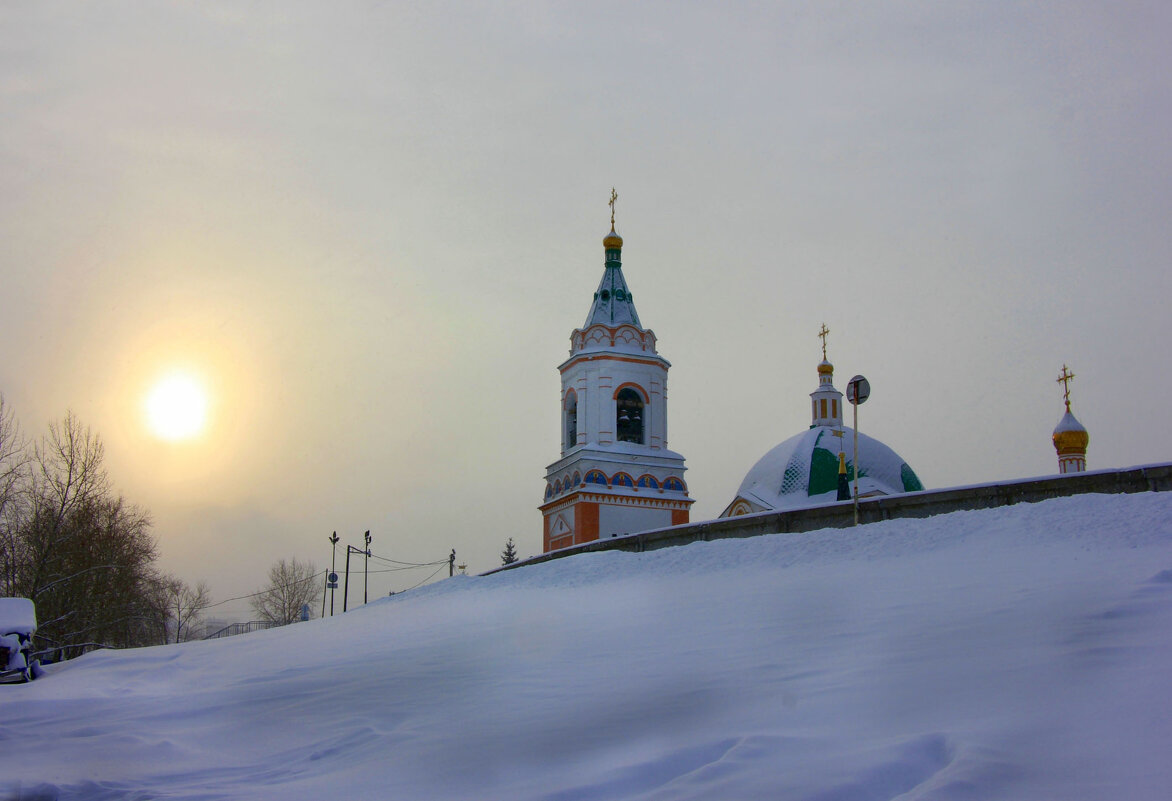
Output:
x,y
1071,442
825,368
612,241
1070,437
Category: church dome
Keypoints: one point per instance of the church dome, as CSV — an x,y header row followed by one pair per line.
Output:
x,y
1070,436
803,471
612,241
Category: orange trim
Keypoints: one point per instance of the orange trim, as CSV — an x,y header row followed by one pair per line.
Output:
x,y
633,385
585,522
566,399
679,517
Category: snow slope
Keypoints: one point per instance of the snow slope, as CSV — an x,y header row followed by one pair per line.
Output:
x,y
1015,653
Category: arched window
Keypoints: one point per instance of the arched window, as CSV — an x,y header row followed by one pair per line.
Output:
x,y
648,482
577,478
621,480
674,484
596,477
548,491
629,416
571,419
557,488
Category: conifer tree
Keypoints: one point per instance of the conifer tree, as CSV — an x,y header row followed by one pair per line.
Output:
x,y
509,554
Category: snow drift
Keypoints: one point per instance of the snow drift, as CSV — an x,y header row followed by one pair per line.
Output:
x,y
1015,653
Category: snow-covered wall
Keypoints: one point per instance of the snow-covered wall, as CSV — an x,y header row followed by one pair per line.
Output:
x,y
1148,478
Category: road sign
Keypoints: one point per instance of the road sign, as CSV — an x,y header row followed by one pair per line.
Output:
x,y
858,389
331,585
332,578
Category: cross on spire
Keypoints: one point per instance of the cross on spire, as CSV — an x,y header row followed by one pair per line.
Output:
x,y
613,197
1064,380
822,335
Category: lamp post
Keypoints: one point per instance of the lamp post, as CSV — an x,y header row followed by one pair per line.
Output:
x,y
366,568
333,565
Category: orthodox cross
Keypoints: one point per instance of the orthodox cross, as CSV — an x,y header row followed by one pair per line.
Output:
x,y
822,334
613,197
1064,380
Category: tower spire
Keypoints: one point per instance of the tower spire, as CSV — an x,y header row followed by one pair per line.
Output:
x,y
826,401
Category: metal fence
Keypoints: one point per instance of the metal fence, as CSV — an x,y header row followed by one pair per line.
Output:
x,y
241,628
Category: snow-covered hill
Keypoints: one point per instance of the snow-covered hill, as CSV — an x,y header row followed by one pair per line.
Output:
x,y
1017,653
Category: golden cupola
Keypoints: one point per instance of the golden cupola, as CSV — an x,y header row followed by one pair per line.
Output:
x,y
1070,436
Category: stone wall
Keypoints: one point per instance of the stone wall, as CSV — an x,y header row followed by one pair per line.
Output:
x,y
1150,478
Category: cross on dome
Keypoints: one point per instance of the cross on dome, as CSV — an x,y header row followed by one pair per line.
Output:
x,y
1064,380
613,197
822,334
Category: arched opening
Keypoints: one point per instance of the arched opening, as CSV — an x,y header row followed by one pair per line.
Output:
x,y
571,419
629,416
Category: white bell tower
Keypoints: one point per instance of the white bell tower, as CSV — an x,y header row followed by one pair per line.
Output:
x,y
615,475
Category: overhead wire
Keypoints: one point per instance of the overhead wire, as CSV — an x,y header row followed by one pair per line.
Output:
x,y
322,573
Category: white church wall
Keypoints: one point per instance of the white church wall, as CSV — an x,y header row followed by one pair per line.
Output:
x,y
628,519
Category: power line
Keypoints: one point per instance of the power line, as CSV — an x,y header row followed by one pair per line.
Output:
x,y
412,564
322,573
429,578
316,575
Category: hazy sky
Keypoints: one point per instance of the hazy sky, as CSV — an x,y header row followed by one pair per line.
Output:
x,y
371,228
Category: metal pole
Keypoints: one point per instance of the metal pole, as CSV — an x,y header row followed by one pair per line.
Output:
x,y
333,564
346,586
366,568
452,564
856,405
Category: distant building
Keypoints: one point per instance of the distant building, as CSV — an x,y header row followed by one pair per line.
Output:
x,y
616,474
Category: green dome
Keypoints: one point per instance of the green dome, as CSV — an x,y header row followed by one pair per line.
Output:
x,y
803,470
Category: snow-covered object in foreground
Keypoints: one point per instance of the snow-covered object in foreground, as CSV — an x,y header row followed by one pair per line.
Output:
x,y
1019,653
18,616
18,623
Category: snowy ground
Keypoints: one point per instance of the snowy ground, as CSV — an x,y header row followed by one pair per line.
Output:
x,y
1016,653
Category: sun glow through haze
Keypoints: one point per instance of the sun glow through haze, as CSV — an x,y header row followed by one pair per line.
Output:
x,y
176,407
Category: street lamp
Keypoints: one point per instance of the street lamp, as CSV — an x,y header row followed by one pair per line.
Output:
x,y
332,582
366,569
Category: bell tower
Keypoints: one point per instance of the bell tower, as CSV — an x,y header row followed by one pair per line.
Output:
x,y
615,475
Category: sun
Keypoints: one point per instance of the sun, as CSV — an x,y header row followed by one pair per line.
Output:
x,y
176,407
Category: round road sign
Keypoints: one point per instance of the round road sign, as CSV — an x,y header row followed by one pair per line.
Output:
x,y
858,390
333,578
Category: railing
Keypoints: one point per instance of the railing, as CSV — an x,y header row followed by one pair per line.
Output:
x,y
241,628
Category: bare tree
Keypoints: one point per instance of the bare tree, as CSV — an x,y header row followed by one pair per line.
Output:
x,y
183,607
14,482
292,584
84,555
